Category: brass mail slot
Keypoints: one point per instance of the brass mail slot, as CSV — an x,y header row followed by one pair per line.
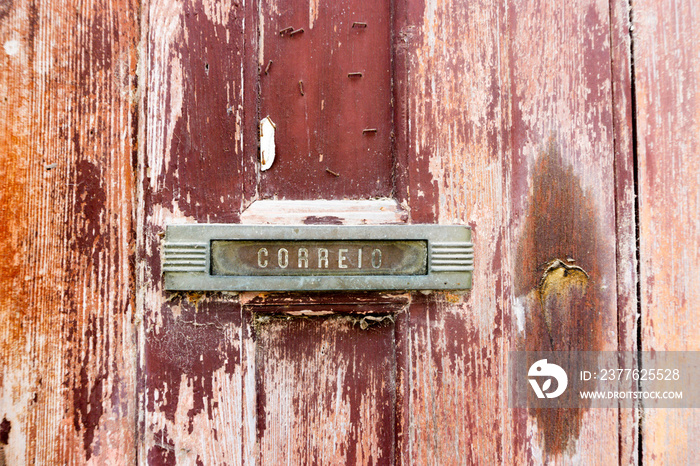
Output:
x,y
218,257
289,258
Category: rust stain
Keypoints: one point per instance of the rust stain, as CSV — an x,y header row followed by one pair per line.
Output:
x,y
559,268
66,234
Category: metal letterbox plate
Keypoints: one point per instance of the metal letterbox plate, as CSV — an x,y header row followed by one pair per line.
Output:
x,y
213,257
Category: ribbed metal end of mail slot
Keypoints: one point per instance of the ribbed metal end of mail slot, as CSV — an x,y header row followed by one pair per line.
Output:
x,y
451,257
185,257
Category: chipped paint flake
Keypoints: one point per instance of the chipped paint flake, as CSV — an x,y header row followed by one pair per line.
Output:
x,y
12,47
219,11
267,143
313,12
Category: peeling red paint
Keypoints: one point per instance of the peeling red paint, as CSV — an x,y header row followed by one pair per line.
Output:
x,y
5,428
68,340
325,391
513,118
667,92
193,345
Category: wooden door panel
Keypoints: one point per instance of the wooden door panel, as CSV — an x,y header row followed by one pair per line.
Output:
x,y
194,383
325,390
562,207
519,135
455,53
452,369
477,148
320,106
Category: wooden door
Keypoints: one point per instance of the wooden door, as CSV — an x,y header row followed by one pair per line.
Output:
x,y
529,122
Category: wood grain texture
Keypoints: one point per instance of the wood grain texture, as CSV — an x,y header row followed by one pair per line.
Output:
x,y
191,163
562,186
667,79
67,353
320,109
194,387
512,117
325,390
511,110
453,344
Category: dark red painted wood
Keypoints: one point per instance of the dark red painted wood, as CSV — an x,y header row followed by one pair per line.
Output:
x,y
325,391
319,106
192,170
513,117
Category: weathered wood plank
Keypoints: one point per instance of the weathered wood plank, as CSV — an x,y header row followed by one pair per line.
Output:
x,y
67,386
453,345
562,206
191,170
325,390
511,111
194,388
667,83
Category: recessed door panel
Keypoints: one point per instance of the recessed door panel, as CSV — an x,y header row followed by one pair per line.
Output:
x,y
325,390
325,82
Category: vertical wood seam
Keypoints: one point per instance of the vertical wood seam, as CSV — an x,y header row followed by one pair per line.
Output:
x,y
140,225
637,227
